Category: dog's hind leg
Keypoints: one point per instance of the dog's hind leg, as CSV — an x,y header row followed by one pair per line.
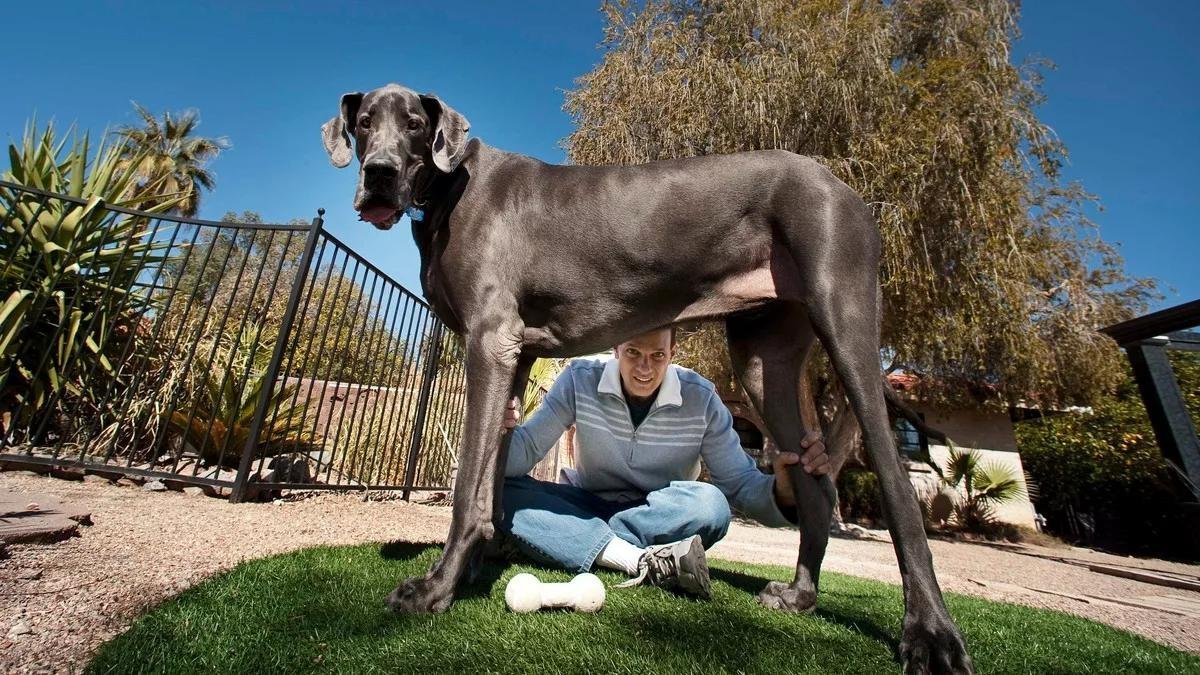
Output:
x,y
494,369
769,350
846,320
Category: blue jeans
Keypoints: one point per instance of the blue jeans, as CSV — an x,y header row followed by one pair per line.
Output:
x,y
565,526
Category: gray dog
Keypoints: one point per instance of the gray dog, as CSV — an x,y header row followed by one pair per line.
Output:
x,y
530,260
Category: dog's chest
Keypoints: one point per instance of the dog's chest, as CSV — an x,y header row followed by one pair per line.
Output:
x,y
433,284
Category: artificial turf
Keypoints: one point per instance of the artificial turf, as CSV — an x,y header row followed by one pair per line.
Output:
x,y
321,609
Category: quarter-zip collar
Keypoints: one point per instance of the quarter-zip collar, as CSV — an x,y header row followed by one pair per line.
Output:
x,y
669,393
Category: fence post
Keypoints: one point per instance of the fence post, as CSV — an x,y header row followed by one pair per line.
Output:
x,y
427,378
285,332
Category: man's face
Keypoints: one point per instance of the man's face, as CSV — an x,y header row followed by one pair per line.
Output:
x,y
643,361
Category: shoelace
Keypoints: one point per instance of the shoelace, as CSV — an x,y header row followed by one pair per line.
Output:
x,y
645,564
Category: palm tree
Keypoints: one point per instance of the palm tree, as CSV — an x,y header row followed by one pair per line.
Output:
x,y
168,158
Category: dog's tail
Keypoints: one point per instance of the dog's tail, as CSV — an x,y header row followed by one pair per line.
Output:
x,y
894,402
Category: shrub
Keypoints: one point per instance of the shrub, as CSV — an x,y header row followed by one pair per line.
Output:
x,y
1103,479
978,488
74,278
858,492
218,425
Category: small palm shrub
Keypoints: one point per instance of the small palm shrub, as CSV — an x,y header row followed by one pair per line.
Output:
x,y
978,488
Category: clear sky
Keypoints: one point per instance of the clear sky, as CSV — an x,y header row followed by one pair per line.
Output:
x,y
265,75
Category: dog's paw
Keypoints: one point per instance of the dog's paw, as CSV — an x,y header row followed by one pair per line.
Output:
x,y
934,645
419,595
788,598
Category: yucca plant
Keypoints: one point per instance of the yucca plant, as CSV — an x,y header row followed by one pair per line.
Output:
x,y
218,424
984,485
68,273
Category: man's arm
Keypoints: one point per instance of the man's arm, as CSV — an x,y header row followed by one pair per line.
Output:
x,y
733,471
533,439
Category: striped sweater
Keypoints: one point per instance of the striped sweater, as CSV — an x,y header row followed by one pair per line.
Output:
x,y
687,423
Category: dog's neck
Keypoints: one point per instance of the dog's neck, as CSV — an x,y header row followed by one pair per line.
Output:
x,y
432,232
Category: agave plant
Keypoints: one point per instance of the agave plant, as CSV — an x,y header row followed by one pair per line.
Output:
x,y
68,273
218,424
983,485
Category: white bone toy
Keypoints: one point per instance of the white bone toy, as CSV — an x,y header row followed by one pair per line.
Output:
x,y
584,593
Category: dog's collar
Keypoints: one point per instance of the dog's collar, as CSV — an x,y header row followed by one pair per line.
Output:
x,y
420,197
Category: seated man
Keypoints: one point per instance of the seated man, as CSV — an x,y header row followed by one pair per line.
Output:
x,y
633,503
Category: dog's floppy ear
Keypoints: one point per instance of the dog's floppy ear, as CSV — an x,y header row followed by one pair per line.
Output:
x,y
449,135
336,133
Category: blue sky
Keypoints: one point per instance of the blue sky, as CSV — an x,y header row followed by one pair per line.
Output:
x,y
267,74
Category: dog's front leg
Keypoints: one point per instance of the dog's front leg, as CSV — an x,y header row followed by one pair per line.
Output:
x,y
492,361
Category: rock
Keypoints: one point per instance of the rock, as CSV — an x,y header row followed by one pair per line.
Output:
x,y
30,575
93,479
39,518
19,628
257,493
154,486
127,482
186,467
292,469
67,474
196,491
941,507
79,516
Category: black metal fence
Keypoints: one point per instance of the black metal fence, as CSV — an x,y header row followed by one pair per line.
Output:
x,y
240,356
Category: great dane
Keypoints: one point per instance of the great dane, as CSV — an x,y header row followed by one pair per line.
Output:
x,y
527,259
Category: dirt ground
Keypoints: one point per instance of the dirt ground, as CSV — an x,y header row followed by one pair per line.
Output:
x,y
59,602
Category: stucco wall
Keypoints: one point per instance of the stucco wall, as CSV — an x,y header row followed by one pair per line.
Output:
x,y
990,433
1018,512
984,429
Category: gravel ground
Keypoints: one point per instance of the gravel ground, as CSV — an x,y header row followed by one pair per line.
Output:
x,y
143,548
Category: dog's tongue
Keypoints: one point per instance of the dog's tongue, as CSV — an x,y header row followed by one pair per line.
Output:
x,y
378,215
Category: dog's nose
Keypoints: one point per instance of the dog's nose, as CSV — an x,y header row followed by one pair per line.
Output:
x,y
380,175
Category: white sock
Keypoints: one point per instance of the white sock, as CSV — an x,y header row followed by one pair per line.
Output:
x,y
620,555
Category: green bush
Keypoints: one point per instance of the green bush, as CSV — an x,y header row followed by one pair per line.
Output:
x,y
218,424
1103,478
858,494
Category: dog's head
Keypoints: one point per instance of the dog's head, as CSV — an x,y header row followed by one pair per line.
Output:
x,y
396,132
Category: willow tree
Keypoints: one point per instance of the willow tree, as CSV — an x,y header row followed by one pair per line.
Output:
x,y
993,278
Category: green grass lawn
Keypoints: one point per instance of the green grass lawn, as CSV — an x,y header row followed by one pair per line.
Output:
x,y
322,609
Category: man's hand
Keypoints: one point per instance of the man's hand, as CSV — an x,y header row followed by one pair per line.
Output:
x,y
815,461
512,416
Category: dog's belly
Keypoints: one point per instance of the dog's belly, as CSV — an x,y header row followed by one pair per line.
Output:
x,y
735,294
590,327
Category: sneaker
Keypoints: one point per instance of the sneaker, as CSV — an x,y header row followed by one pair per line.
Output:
x,y
679,565
501,547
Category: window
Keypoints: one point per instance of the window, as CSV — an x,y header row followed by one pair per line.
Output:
x,y
910,442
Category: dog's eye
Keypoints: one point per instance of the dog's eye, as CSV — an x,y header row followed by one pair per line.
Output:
x,y
364,122
414,124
